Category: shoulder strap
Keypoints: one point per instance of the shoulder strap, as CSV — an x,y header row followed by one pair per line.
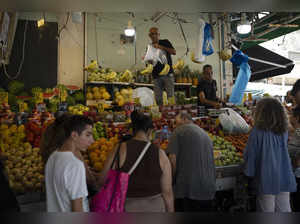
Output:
x,y
137,162
116,158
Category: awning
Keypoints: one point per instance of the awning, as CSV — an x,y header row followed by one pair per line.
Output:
x,y
263,32
262,70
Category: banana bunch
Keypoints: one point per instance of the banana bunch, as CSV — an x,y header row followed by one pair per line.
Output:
x,y
193,58
23,106
179,64
165,70
92,67
111,77
126,76
48,90
147,70
36,90
225,54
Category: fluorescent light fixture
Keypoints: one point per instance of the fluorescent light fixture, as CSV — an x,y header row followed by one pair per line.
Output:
x,y
129,31
244,27
41,22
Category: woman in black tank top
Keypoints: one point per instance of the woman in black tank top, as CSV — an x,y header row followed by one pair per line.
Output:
x,y
150,185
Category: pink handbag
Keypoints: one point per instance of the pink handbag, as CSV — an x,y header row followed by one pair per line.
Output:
x,y
112,196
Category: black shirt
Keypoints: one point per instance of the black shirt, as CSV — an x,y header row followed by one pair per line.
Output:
x,y
159,66
210,91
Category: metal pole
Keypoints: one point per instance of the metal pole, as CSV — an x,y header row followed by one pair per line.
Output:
x,y
135,46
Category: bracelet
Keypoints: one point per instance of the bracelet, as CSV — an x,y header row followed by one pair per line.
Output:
x,y
297,131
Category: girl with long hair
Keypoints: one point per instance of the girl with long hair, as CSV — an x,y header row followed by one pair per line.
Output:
x,y
267,159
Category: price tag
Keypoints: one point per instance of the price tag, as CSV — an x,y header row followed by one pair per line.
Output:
x,y
21,118
129,108
41,107
63,107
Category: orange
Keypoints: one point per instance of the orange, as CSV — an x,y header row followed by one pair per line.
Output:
x,y
104,148
102,141
98,166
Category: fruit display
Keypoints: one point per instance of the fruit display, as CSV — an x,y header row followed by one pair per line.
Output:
x,y
35,126
98,152
179,65
97,93
126,76
78,109
23,164
99,131
147,70
210,125
239,141
123,96
224,152
108,75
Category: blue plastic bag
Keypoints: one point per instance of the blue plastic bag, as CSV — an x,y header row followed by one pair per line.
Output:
x,y
240,84
207,48
238,58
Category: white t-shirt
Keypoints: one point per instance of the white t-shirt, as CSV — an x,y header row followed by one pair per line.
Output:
x,y
65,181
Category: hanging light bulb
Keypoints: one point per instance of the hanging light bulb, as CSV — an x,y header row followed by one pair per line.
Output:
x,y
129,31
41,22
244,27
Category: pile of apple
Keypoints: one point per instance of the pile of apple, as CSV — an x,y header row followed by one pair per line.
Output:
x,y
224,152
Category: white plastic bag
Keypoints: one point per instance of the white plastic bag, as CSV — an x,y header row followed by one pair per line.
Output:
x,y
155,55
233,123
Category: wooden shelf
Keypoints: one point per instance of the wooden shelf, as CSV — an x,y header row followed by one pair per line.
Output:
x,y
135,84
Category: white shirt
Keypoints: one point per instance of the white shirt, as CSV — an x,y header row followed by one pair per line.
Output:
x,y
65,181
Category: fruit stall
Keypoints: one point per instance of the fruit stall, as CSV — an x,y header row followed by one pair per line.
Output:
x,y
25,114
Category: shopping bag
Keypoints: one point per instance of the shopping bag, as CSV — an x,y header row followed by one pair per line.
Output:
x,y
207,48
155,55
112,196
233,123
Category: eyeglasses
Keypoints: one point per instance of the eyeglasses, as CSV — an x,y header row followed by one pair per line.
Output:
x,y
153,34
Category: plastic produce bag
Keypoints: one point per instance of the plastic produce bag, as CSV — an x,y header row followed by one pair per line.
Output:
x,y
155,55
199,57
240,84
207,48
233,123
238,58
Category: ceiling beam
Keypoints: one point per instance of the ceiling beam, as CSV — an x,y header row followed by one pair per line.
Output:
x,y
275,28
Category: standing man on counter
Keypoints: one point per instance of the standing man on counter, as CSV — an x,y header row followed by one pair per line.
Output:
x,y
165,82
207,89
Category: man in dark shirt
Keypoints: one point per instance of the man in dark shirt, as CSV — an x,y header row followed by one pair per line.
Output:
x,y
207,89
164,82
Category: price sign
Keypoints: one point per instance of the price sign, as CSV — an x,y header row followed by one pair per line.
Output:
x,y
129,108
63,107
41,107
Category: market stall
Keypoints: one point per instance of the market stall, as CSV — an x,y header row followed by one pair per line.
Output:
x,y
23,120
108,95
